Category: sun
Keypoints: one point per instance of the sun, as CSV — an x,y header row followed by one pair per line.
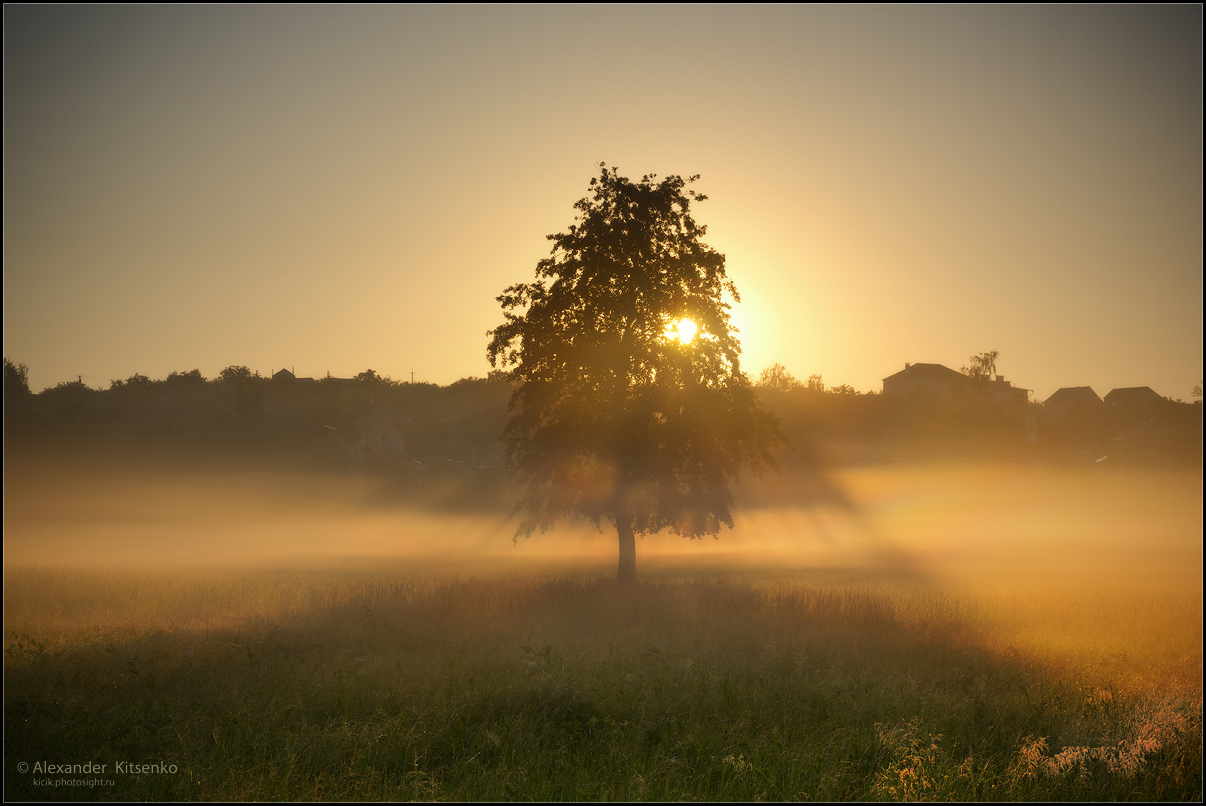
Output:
x,y
684,330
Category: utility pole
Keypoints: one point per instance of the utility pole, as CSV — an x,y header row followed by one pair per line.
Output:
x,y
412,374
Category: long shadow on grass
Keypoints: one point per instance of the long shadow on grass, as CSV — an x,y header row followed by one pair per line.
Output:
x,y
310,687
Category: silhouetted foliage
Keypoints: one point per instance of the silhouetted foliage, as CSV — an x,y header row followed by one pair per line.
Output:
x,y
16,379
18,400
613,417
191,378
243,401
982,366
135,381
777,378
369,376
236,375
71,406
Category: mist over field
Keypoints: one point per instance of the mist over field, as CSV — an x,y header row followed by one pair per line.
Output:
x,y
974,530
970,525
898,630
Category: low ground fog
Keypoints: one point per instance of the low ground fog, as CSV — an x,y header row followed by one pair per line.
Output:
x,y
892,632
973,526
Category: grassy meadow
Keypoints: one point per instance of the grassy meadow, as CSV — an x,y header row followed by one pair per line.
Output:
x,y
956,634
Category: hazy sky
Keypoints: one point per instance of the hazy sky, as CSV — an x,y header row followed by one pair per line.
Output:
x,y
333,189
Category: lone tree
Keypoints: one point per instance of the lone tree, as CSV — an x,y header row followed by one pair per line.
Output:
x,y
630,404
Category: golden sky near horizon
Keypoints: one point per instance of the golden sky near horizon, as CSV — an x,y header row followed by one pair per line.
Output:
x,y
334,189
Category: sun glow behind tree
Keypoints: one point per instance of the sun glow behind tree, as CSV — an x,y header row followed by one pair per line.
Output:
x,y
682,330
630,401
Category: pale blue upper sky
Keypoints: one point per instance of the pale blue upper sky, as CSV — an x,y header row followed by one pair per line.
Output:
x,y
333,189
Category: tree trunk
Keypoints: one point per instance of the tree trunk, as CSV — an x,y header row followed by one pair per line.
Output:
x,y
627,572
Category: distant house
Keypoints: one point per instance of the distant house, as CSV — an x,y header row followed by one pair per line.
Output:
x,y
1002,391
1131,397
1072,400
286,377
946,383
934,379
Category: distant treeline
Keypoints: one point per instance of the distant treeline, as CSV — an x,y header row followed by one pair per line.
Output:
x,y
372,422
366,421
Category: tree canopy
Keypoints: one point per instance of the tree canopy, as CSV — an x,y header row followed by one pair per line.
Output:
x,y
778,379
983,366
630,403
16,379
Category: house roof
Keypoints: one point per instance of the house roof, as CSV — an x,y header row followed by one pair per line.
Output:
x,y
1068,395
1132,396
928,371
287,375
